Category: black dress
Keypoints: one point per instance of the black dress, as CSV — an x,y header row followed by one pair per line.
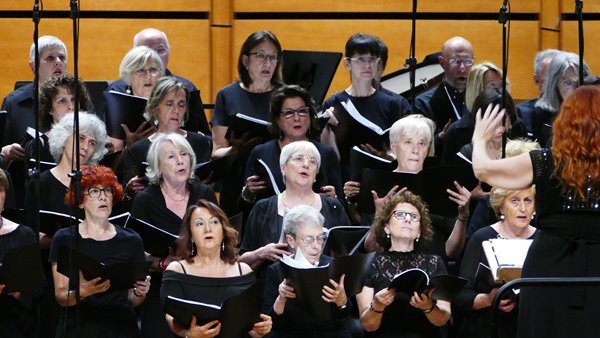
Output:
x,y
400,319
209,290
296,322
17,317
149,205
108,314
567,246
476,323
269,152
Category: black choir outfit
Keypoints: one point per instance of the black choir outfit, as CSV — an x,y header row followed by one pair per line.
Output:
x,y
441,104
209,290
400,319
476,323
19,107
568,245
296,322
108,314
269,152
541,125
17,317
149,205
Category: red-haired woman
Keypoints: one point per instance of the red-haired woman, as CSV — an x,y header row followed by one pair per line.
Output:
x,y
209,272
103,312
567,179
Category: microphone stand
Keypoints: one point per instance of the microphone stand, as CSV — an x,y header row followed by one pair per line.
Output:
x,y
503,19
579,13
411,61
76,173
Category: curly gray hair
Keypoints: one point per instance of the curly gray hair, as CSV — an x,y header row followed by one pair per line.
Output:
x,y
89,124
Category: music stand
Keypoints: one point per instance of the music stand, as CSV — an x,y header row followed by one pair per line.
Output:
x,y
428,74
312,71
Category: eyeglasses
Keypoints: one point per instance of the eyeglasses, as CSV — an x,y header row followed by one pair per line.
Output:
x,y
362,60
95,192
465,62
262,57
151,70
301,159
402,215
162,51
308,240
289,113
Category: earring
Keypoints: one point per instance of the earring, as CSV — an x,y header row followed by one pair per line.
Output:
x,y
223,246
502,217
533,216
417,239
193,253
388,236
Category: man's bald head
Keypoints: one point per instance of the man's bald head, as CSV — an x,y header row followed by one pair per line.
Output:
x,y
457,59
156,40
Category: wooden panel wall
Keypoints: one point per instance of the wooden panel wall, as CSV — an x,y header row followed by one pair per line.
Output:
x,y
205,35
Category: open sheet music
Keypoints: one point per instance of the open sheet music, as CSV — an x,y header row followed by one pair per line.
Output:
x,y
506,257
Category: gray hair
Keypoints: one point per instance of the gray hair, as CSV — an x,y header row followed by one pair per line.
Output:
x,y
136,59
164,86
414,125
561,62
301,216
88,124
541,56
296,147
47,41
153,170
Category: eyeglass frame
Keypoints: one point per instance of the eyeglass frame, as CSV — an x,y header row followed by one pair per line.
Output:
x,y
267,57
465,62
361,61
149,71
301,159
289,113
108,192
308,240
401,215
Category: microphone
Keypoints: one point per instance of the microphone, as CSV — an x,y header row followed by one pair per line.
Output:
x,y
502,19
36,11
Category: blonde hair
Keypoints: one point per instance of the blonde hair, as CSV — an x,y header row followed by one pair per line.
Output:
x,y
417,125
475,81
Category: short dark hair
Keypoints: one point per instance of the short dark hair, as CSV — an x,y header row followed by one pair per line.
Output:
x,y
285,92
48,91
252,41
184,242
360,43
383,52
384,215
494,96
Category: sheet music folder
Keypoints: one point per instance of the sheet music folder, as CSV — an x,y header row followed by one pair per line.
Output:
x,y
122,275
214,170
411,280
123,108
311,70
156,240
430,184
237,314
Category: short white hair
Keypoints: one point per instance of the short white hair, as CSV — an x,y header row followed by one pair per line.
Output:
x,y
301,216
153,170
44,42
137,58
296,147
414,125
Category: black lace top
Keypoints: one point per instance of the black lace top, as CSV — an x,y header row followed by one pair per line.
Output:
x,y
400,319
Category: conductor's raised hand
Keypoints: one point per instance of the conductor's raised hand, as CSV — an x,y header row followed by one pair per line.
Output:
x,y
485,126
335,293
273,251
209,329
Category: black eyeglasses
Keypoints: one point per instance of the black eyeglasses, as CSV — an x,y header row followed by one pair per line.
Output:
x,y
402,215
289,113
263,57
94,192
308,240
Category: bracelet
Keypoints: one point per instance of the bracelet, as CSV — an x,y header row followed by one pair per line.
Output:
x,y
426,311
373,309
245,192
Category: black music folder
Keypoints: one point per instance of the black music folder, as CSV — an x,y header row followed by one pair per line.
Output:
x,y
156,240
261,169
237,314
21,269
308,282
125,109
242,124
311,70
430,184
122,275
52,221
196,120
354,129
360,159
215,170
120,219
411,280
